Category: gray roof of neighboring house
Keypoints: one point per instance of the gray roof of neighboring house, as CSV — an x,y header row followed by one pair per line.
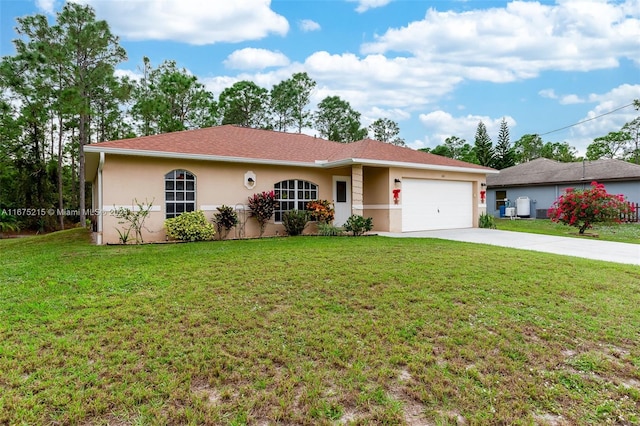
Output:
x,y
543,171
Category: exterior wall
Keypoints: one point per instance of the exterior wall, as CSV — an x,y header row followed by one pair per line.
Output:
x,y
357,189
542,197
126,178
376,200
379,184
130,178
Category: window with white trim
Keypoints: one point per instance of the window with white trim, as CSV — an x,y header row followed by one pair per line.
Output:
x,y
293,194
179,193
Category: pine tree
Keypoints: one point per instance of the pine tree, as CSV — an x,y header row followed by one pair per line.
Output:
x,y
386,130
337,121
483,146
505,153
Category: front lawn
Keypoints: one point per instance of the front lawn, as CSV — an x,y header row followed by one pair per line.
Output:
x,y
622,233
314,330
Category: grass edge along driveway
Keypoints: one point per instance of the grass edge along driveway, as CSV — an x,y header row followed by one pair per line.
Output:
x,y
313,330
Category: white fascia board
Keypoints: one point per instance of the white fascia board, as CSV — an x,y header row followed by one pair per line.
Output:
x,y
403,165
183,156
316,164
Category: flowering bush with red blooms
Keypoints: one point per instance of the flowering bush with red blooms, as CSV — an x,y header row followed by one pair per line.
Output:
x,y
583,208
262,207
321,211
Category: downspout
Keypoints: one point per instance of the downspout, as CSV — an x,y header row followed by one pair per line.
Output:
x,y
100,205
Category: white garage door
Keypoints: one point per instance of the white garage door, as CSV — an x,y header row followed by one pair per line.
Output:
x,y
436,204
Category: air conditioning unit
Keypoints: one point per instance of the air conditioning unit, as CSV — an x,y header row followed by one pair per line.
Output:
x,y
542,214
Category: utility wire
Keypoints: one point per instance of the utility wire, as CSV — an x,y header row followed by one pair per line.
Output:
x,y
589,119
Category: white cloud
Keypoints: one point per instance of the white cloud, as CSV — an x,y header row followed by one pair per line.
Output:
x,y
197,22
133,75
607,121
520,40
374,113
364,5
251,58
394,114
441,125
308,25
562,100
571,99
548,93
376,80
47,6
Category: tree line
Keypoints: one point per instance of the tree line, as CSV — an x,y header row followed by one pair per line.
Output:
x,y
622,145
60,92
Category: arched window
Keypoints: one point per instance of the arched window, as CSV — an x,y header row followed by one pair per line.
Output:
x,y
293,195
179,193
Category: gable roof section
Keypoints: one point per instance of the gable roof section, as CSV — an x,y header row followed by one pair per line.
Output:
x,y
242,144
543,171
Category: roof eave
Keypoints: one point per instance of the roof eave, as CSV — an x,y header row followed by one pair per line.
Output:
x,y
563,182
315,164
407,165
201,157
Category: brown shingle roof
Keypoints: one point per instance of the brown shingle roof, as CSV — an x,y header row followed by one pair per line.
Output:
x,y
255,144
543,171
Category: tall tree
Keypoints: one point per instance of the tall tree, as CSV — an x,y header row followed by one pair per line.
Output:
x,y
9,133
483,146
504,153
528,147
456,148
109,118
93,52
386,130
632,128
289,101
168,99
613,145
143,110
245,103
337,121
559,151
24,78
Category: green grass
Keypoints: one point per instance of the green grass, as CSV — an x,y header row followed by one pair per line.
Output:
x,y
623,233
313,330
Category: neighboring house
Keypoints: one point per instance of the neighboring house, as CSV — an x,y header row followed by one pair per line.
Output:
x,y
542,181
207,168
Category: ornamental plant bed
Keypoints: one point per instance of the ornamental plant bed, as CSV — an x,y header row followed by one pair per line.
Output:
x,y
584,208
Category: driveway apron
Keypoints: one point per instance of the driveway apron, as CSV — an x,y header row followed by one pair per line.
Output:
x,y
579,247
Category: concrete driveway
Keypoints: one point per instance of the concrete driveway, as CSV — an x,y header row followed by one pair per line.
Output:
x,y
579,247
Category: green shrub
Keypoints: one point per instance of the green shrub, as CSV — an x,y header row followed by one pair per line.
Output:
x,y
358,225
225,219
190,226
583,208
8,223
321,211
329,230
294,221
132,219
262,206
487,221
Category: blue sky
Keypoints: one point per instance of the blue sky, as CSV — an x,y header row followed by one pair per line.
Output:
x,y
437,68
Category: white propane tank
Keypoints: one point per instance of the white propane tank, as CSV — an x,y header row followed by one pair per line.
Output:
x,y
523,207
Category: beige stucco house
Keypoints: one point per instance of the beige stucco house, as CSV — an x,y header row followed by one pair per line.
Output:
x,y
225,165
